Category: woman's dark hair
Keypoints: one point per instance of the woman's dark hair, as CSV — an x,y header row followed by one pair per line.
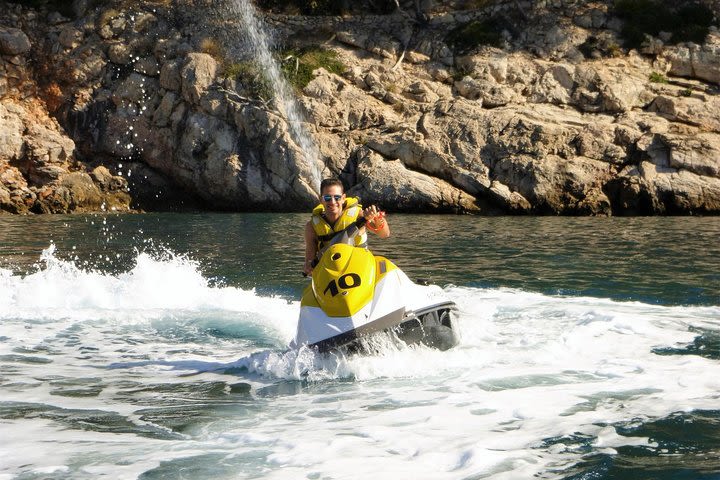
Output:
x,y
331,182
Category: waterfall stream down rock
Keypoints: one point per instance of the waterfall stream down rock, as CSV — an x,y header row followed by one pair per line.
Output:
x,y
254,31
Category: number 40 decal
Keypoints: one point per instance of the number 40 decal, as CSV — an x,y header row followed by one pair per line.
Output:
x,y
349,280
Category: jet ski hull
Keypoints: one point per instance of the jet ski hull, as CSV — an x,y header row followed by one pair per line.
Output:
x,y
434,327
342,309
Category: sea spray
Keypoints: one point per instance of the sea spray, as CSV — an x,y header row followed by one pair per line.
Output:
x,y
158,353
256,34
156,288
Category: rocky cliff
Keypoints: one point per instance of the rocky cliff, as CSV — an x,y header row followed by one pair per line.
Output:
x,y
492,107
39,171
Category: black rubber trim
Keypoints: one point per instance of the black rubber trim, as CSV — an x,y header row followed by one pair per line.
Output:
x,y
387,321
392,319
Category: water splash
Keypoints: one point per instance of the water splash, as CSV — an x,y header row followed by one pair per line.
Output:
x,y
260,42
538,384
157,287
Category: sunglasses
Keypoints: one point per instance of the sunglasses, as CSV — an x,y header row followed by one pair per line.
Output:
x,y
327,198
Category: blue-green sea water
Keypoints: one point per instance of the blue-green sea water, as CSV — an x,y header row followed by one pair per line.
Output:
x,y
155,346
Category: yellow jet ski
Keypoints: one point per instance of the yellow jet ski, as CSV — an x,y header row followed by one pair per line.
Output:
x,y
355,294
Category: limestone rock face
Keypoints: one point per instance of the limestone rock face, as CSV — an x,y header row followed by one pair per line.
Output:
x,y
47,154
13,41
82,192
197,75
696,61
150,110
11,140
120,53
170,76
70,37
39,171
379,180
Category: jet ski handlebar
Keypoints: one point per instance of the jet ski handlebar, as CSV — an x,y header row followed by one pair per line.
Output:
x,y
343,236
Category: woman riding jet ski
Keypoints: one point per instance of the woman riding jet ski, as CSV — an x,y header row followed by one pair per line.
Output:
x,y
354,293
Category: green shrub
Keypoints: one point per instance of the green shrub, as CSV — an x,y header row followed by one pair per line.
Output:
x,y
251,79
403,108
391,88
687,21
656,77
471,35
298,64
590,46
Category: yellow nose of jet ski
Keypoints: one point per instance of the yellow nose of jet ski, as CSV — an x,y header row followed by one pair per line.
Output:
x,y
344,280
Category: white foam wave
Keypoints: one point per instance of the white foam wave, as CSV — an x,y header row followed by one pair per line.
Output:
x,y
498,326
529,367
518,337
153,288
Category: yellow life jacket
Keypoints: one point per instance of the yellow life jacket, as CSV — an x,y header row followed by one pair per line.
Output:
x,y
325,231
